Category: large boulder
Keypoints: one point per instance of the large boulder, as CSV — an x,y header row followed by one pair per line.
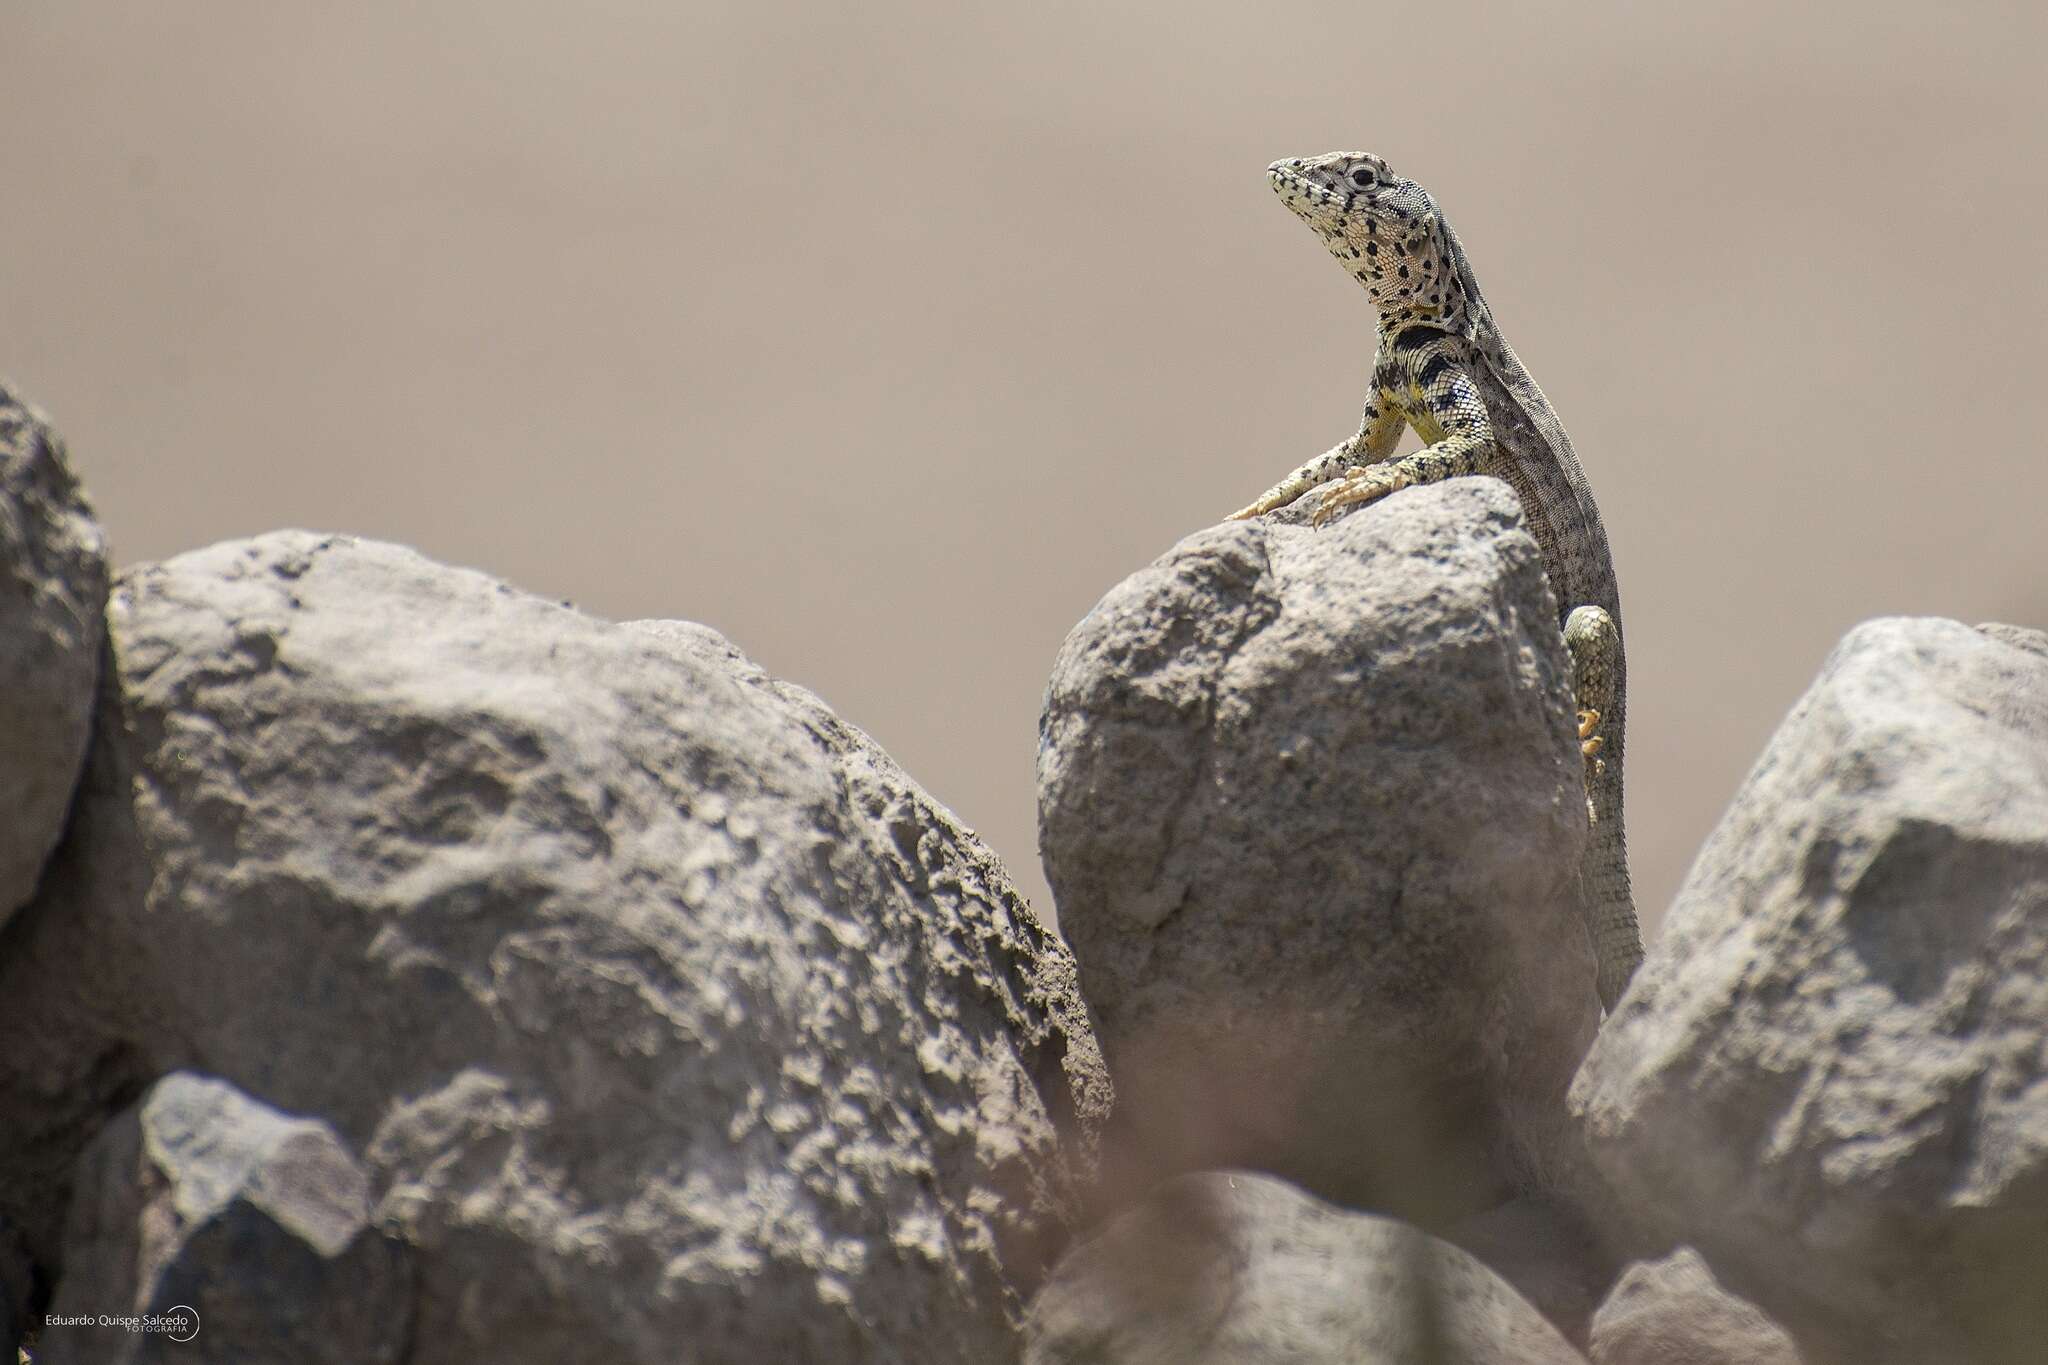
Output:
x,y
1829,1076
1312,806
233,1232
53,592
1233,1268
661,1006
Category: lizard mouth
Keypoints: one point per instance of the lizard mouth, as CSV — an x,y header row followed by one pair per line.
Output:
x,y
1288,180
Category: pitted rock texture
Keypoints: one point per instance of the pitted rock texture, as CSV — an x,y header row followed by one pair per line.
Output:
x,y
1832,1075
661,1006
201,1199
1312,808
53,592
1233,1268
1674,1312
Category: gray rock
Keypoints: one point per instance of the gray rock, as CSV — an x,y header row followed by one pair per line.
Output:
x,y
1829,1075
1227,1268
1550,1251
53,592
662,1007
1674,1312
68,973
1312,808
244,1232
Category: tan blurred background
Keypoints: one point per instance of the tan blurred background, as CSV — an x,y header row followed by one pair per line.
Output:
x,y
885,338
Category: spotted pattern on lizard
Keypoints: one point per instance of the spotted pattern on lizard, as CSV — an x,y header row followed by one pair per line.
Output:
x,y
1443,368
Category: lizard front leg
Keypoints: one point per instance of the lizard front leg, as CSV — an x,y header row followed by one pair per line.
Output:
x,y
1369,483
1452,418
1377,436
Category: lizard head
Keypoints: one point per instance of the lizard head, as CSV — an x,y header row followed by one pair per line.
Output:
x,y
1384,230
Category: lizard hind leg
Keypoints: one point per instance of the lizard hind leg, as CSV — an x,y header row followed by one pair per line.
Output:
x,y
1593,640
1594,643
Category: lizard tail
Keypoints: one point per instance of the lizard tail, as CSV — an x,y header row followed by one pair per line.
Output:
x,y
1611,909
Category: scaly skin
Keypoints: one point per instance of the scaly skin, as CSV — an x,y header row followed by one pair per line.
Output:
x,y
1443,368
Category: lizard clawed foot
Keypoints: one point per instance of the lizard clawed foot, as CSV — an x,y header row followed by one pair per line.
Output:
x,y
1590,744
1277,497
1362,484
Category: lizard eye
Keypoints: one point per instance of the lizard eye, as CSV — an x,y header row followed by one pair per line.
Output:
x,y
1362,177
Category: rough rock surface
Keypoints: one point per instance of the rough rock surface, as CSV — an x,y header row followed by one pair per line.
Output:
x,y
202,1199
1225,1268
53,592
1832,1075
661,1006
2020,637
1312,807
1674,1312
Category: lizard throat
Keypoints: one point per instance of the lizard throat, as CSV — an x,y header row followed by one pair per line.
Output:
x,y
1399,313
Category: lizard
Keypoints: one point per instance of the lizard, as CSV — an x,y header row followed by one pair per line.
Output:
x,y
1442,367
